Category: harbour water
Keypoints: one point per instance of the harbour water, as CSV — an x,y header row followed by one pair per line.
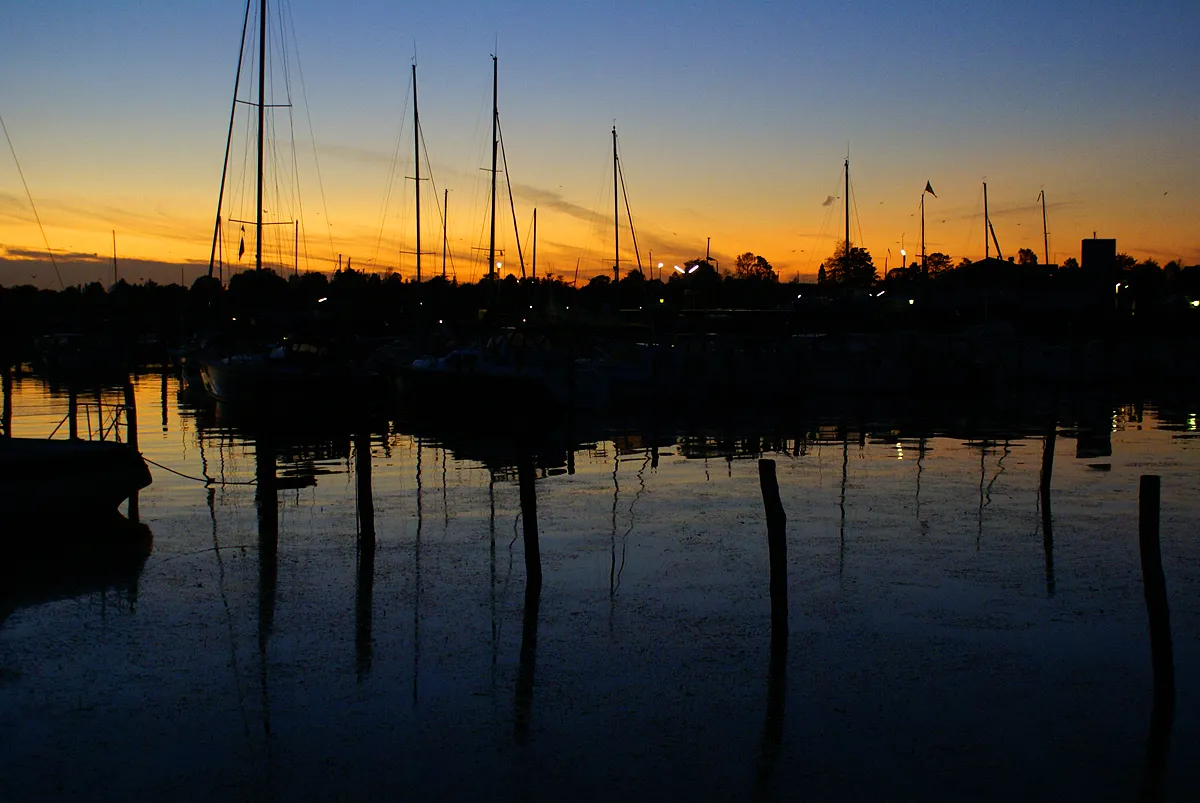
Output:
x,y
340,613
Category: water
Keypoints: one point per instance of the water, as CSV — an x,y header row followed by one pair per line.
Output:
x,y
937,648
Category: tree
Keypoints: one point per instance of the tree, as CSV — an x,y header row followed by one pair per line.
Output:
x,y
1070,263
1125,262
752,266
937,263
853,269
1026,256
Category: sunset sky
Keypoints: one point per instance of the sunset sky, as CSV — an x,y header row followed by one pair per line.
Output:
x,y
734,121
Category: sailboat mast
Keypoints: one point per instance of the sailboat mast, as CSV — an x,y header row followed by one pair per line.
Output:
x,y
922,231
445,220
1045,233
616,215
846,258
417,166
535,243
262,106
115,257
495,121
987,223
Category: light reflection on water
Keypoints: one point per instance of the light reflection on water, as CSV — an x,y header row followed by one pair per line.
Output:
x,y
320,647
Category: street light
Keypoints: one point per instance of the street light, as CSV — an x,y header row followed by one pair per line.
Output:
x,y
903,258
679,269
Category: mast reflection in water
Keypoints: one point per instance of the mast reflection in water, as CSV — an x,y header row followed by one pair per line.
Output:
x,y
936,628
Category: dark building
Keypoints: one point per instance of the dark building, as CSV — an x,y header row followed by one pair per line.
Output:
x,y
1098,256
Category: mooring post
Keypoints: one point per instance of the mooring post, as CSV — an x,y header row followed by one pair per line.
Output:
x,y
1155,585
533,556
6,419
1161,654
131,437
1047,518
776,547
365,575
72,411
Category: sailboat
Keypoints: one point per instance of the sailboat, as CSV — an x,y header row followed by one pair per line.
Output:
x,y
274,366
521,368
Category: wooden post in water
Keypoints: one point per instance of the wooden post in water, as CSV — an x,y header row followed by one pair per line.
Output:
x,y
533,592
533,556
772,735
1155,586
7,415
1161,653
72,411
365,576
131,437
1047,518
777,547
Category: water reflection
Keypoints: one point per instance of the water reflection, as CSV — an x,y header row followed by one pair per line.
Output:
x,y
913,646
69,557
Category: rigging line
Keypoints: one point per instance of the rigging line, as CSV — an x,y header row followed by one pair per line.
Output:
x,y
857,219
429,165
629,212
391,175
228,141
313,139
29,195
511,203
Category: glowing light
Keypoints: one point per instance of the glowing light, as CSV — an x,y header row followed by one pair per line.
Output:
x,y
910,301
1196,303
679,269
660,265
899,450
694,268
662,301
322,299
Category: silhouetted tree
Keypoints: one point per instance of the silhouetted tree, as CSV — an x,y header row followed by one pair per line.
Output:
x,y
1026,256
752,266
1070,263
1125,262
852,269
937,263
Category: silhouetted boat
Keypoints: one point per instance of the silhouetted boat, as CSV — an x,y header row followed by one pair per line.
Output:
x,y
58,478
515,368
292,371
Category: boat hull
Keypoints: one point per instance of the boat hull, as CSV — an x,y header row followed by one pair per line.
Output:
x,y
60,478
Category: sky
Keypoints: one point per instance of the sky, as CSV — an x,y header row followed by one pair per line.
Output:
x,y
734,121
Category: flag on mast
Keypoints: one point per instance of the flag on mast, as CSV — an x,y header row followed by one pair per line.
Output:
x,y
929,189
242,243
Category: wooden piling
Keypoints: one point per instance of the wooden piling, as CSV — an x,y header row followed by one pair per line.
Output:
x,y
72,412
365,575
131,437
7,415
1155,586
776,547
1047,518
533,556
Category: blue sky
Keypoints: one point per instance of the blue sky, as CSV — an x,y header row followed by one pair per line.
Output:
x,y
734,120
